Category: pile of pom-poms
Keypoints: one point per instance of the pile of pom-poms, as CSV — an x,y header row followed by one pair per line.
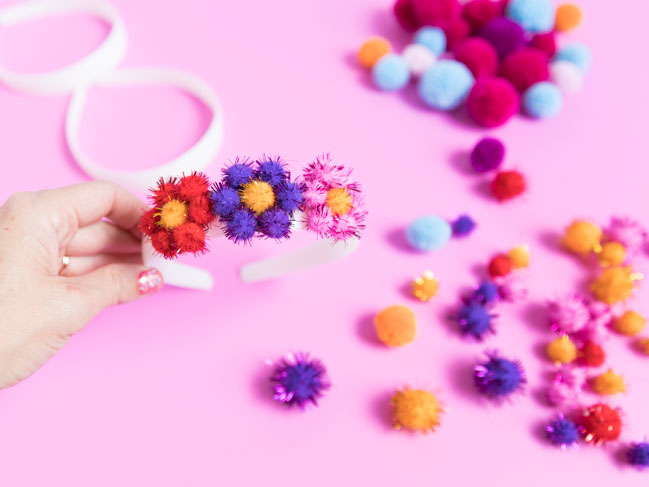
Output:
x,y
431,232
486,157
492,55
596,425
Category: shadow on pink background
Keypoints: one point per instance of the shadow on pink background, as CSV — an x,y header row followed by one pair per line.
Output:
x,y
171,390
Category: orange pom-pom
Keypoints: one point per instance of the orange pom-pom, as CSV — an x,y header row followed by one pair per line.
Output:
x,y
612,254
372,50
520,256
582,237
608,383
396,325
630,323
415,410
562,350
613,285
425,286
568,17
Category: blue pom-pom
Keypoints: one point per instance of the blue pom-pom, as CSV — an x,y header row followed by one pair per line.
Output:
x,y
486,293
463,226
543,100
241,225
498,377
433,38
390,73
562,432
446,85
474,320
271,172
576,53
238,174
289,196
428,233
275,223
225,200
638,454
533,15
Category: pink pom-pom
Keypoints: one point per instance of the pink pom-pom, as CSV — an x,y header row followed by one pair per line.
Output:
x,y
568,313
405,15
545,42
319,221
629,233
525,67
478,55
511,287
478,12
492,101
439,13
456,32
566,386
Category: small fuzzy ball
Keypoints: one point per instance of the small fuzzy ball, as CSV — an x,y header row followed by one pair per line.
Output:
x,y
568,313
396,326
415,410
433,38
190,237
299,380
543,100
525,67
372,50
241,225
533,15
391,73
630,323
612,254
498,377
520,256
272,172
600,423
500,266
561,391
193,185
642,345
425,287
428,233
147,224
439,13
238,174
339,201
561,350
418,58
492,101
275,223
478,55
592,355
289,196
486,293
200,210
478,12
582,237
162,243
487,155
405,15
545,42
613,285
507,185
173,214
456,32
504,34
463,226
638,454
562,432
225,200
474,320
257,196
576,53
608,383
567,76
567,17
446,85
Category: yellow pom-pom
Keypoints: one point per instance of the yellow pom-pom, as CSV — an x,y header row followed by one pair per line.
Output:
x,y
643,345
172,214
568,17
396,325
613,285
582,237
339,201
258,196
520,256
608,383
415,410
612,254
372,50
630,323
425,286
561,350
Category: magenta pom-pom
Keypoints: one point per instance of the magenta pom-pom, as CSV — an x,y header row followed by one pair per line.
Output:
x,y
629,233
568,313
525,67
492,101
478,55
545,42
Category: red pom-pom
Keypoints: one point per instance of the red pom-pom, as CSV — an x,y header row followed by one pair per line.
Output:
x,y
148,222
592,355
163,243
500,266
525,67
189,237
545,42
478,55
439,13
405,15
507,185
456,32
478,12
492,101
599,424
165,191
193,185
200,210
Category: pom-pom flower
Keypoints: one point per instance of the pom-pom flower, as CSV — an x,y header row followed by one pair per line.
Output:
x,y
333,206
180,215
638,454
415,410
568,313
256,199
299,380
475,320
599,424
498,377
562,432
608,383
629,233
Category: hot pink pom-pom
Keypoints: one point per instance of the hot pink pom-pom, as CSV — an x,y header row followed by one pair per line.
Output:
x,y
405,15
525,67
319,221
568,313
629,233
566,386
478,55
456,32
545,42
511,287
478,12
440,13
492,101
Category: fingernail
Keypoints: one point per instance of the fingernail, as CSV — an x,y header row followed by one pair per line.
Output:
x,y
149,281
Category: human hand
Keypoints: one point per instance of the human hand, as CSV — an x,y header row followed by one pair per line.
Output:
x,y
43,301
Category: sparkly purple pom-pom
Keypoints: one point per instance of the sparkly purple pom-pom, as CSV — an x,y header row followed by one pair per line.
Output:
x,y
562,432
299,380
498,377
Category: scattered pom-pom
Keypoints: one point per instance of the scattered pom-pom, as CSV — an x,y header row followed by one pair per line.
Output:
x,y
568,313
545,42
299,380
567,76
511,287
520,256
486,293
440,13
525,67
463,226
562,432
504,34
507,185
425,287
487,155
629,233
561,350
478,55
567,17
415,410
396,326
498,377
405,15
478,12
500,266
456,32
428,233
391,73
612,254
418,58
608,383
630,323
492,101
638,454
433,38
613,285
592,355
599,424
576,53
475,320
642,344
446,85
582,237
565,387
543,100
533,15
372,50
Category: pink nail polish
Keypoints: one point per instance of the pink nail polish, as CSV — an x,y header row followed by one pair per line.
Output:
x,y
149,281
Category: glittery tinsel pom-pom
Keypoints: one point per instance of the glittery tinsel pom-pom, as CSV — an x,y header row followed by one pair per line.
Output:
x,y
562,432
498,377
638,454
299,380
568,313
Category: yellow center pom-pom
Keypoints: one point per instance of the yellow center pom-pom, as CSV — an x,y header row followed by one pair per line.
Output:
x,y
339,201
520,256
562,350
608,383
415,410
582,237
173,214
643,345
612,254
425,286
630,323
372,50
258,196
396,325
568,17
613,285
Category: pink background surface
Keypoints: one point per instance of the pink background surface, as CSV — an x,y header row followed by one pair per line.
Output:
x,y
172,390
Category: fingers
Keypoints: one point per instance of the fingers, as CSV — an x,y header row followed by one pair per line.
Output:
x,y
103,238
84,264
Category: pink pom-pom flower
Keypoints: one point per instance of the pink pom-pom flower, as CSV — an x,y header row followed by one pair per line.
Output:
x,y
629,233
569,313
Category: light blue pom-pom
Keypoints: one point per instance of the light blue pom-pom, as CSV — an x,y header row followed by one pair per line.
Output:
x,y
428,233
575,53
446,85
390,73
533,15
433,38
543,100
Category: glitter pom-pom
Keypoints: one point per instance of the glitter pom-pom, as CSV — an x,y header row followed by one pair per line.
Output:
x,y
608,383
238,173
424,287
561,350
582,237
225,200
241,225
498,377
562,432
629,233
638,454
486,293
591,355
415,410
289,196
463,226
613,285
475,320
599,424
299,380
275,223
568,313
396,325
566,386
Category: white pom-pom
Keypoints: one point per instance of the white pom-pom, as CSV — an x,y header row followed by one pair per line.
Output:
x,y
418,58
567,76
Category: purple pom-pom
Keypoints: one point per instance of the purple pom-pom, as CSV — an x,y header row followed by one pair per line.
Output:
x,y
463,226
487,155
241,225
238,174
562,432
488,292
638,454
299,380
225,201
475,320
275,223
271,171
498,377
505,35
289,196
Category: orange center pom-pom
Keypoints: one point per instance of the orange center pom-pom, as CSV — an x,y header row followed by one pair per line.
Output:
x,y
415,410
258,196
173,214
396,325
372,50
568,17
339,201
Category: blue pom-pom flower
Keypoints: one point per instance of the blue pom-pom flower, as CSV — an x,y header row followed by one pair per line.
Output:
x,y
638,454
475,320
299,380
463,226
562,432
498,377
